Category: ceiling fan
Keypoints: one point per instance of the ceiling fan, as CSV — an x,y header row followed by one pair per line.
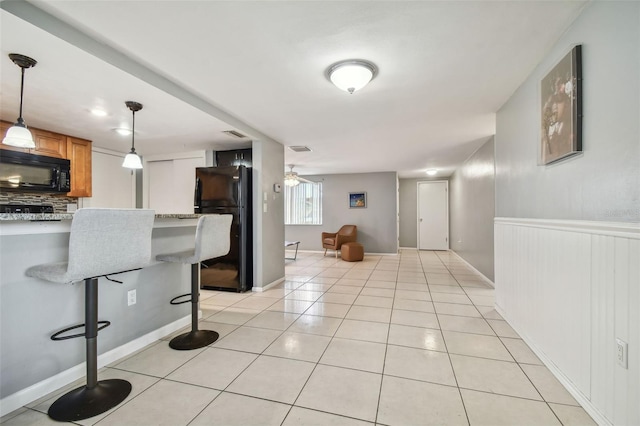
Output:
x,y
291,178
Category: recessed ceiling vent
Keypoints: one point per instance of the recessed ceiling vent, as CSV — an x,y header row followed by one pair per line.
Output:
x,y
300,148
234,133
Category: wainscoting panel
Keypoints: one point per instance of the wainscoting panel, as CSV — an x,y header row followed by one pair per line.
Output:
x,y
570,288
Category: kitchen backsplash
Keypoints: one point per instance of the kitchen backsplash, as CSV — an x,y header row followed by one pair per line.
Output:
x,y
59,202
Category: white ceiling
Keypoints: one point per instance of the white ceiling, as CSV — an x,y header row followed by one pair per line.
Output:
x,y
201,67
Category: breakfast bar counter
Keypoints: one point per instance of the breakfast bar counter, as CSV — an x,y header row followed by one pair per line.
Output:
x,y
32,309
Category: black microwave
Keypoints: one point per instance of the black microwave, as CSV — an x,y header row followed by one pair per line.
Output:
x,y
20,171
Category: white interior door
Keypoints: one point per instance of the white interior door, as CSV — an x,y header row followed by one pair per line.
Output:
x,y
433,215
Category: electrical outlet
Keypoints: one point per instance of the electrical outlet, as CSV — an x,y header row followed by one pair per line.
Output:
x,y
131,297
622,353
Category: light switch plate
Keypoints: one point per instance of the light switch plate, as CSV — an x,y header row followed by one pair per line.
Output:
x,y
277,187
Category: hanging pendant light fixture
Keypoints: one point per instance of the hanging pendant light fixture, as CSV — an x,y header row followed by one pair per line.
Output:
x,y
132,160
18,134
352,74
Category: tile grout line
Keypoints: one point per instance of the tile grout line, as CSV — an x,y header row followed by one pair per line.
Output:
x,y
455,377
386,346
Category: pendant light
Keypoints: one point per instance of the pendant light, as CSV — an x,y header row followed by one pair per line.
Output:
x,y
18,135
132,160
352,74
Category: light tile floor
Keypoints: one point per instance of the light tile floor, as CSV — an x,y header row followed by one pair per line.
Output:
x,y
411,339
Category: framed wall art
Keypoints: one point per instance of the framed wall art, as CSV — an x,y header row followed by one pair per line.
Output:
x,y
561,109
357,200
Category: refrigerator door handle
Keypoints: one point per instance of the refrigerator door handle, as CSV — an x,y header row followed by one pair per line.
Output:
x,y
197,196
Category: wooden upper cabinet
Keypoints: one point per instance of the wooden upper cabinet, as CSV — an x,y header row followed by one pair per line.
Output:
x,y
79,153
49,143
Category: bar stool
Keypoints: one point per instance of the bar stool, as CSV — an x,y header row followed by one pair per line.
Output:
x,y
212,240
102,242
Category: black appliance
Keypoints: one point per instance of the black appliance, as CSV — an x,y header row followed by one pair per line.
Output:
x,y
227,190
21,171
26,208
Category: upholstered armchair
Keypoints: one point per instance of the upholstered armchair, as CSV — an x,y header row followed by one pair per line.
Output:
x,y
333,241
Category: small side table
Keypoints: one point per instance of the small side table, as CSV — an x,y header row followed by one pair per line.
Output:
x,y
289,244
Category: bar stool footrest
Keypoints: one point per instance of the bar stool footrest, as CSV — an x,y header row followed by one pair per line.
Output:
x,y
83,402
193,340
173,301
101,325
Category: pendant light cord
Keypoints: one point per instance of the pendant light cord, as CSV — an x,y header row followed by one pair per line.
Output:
x,y
133,133
20,120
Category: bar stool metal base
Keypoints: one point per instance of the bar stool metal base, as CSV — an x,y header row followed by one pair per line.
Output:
x,y
83,402
193,340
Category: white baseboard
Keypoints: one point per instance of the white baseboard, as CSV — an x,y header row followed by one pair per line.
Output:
x,y
333,252
582,400
484,277
40,389
268,286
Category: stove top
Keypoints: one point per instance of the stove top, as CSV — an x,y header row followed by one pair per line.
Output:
x,y
26,208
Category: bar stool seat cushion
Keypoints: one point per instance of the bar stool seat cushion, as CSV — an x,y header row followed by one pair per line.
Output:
x,y
54,272
187,257
100,245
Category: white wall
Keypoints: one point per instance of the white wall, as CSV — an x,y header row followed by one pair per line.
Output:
x,y
472,209
604,182
268,213
566,276
377,223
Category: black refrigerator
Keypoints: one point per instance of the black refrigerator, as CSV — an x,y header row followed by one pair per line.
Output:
x,y
227,190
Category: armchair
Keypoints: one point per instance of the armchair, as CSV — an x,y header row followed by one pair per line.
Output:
x,y
333,241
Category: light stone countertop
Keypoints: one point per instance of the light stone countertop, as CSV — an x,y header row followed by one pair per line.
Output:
x,y
41,217
51,223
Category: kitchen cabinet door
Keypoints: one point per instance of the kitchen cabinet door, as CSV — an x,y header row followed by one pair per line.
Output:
x,y
49,144
79,153
236,157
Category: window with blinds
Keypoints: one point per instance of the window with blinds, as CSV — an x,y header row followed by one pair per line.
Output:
x,y
303,204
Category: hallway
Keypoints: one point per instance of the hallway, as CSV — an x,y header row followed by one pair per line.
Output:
x,y
411,339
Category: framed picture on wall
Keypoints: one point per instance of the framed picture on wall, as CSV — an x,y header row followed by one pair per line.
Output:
x,y
561,109
357,200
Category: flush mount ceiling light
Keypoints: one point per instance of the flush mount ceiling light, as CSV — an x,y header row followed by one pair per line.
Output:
x,y
18,134
122,131
132,160
352,74
432,172
98,112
